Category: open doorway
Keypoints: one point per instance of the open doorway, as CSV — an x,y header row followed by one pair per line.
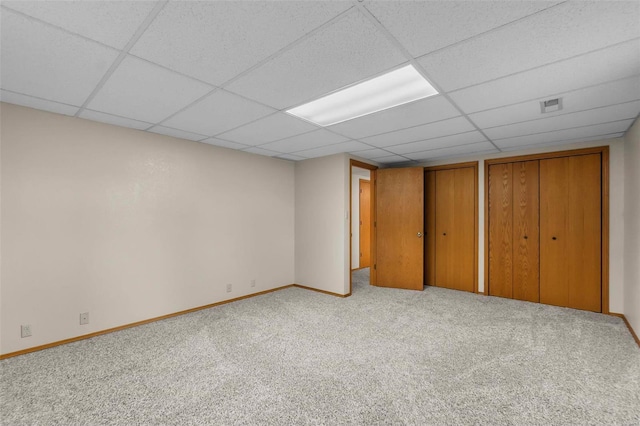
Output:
x,y
362,183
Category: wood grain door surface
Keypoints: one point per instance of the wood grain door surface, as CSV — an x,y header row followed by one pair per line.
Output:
x,y
570,232
400,221
365,223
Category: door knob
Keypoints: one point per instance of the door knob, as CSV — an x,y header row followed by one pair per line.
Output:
x,y
525,237
553,238
419,234
444,233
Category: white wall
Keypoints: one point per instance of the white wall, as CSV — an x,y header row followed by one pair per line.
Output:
x,y
632,226
616,210
356,175
322,225
130,225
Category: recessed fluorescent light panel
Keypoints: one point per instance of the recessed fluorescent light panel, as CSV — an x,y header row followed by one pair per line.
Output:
x,y
389,90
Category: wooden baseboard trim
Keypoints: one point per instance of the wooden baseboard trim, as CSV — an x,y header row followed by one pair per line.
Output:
x,y
633,333
322,291
135,324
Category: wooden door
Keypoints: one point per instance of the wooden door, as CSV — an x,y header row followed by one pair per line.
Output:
x,y
400,220
501,230
570,232
430,228
455,228
526,233
365,223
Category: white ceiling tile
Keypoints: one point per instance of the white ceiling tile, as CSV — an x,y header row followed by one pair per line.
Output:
x,y
109,22
224,144
351,146
215,41
391,159
371,154
424,111
564,142
567,121
591,97
610,64
31,102
442,142
428,131
348,51
423,27
565,135
291,157
146,92
557,33
114,119
453,151
309,140
260,151
177,133
217,113
48,63
274,127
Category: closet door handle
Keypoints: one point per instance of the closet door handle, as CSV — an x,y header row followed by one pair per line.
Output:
x,y
553,238
444,233
525,237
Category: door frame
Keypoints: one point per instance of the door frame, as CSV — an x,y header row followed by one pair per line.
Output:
x,y
604,152
360,222
474,165
372,244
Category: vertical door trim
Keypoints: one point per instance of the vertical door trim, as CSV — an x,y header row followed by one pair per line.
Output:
x,y
604,158
474,165
355,163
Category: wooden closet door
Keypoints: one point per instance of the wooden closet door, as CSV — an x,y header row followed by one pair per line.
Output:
x,y
455,228
501,230
570,232
430,228
526,235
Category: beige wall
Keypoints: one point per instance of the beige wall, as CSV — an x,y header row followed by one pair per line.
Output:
x,y
632,226
356,174
322,225
616,211
130,225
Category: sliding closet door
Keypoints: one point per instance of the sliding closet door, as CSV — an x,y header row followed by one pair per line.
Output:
x,y
570,232
430,228
455,228
400,222
526,238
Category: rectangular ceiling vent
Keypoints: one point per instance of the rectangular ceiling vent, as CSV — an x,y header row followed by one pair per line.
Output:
x,y
551,105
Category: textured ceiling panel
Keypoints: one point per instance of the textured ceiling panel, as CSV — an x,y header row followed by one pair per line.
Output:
x,y
538,145
224,144
346,52
215,41
146,92
424,111
476,148
217,113
309,140
262,151
561,32
274,127
291,157
109,22
176,133
566,121
428,131
442,142
48,63
566,135
370,154
351,146
591,97
615,63
425,26
114,119
31,102
391,159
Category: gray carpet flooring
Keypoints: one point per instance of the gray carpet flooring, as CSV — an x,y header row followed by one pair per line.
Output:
x,y
382,356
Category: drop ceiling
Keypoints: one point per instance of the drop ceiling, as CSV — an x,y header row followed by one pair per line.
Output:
x,y
224,72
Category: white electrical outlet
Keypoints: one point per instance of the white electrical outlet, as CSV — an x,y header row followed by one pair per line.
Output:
x,y
253,283
228,288
84,318
25,330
